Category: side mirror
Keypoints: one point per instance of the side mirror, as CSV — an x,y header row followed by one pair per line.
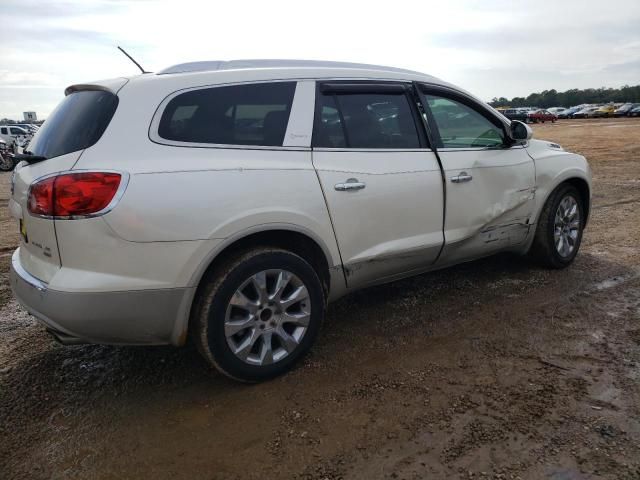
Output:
x,y
520,132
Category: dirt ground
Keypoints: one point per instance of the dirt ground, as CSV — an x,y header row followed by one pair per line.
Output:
x,y
493,369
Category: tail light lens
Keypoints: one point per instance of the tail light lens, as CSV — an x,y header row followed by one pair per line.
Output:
x,y
73,194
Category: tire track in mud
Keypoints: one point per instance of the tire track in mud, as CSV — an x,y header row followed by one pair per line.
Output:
x,y
511,422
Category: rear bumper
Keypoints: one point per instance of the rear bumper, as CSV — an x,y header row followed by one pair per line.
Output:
x,y
136,317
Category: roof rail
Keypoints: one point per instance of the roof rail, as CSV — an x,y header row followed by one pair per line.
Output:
x,y
214,65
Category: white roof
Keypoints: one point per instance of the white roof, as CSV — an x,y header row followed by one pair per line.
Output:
x,y
198,74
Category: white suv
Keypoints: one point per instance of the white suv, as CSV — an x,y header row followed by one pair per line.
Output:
x,y
228,202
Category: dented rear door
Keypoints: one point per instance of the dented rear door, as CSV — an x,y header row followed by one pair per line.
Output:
x,y
381,181
489,186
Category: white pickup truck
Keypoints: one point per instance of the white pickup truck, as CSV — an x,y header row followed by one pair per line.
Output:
x,y
15,136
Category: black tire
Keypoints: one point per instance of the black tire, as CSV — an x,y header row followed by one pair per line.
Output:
x,y
543,249
217,288
6,163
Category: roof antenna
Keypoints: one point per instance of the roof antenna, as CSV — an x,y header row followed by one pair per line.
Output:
x,y
131,58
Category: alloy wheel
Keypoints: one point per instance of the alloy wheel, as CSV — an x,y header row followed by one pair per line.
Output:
x,y
267,317
566,227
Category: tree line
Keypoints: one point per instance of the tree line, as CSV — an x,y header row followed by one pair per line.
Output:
x,y
570,98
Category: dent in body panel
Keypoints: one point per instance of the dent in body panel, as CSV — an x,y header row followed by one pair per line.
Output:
x,y
512,200
504,225
492,211
376,269
553,167
395,256
393,224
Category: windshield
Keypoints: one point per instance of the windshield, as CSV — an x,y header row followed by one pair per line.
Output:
x,y
77,123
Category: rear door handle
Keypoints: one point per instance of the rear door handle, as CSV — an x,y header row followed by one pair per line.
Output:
x,y
461,178
350,184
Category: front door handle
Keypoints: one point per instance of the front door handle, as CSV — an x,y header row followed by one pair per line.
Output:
x,y
350,184
461,178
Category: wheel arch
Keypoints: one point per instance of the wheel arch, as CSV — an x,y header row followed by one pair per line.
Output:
x,y
289,237
549,178
585,194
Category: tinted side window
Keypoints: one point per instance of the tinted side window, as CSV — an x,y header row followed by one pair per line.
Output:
x,y
254,114
461,126
366,120
329,132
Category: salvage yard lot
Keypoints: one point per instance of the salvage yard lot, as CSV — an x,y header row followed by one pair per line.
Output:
x,y
493,369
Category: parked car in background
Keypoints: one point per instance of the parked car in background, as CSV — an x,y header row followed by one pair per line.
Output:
x,y
634,112
556,110
29,127
6,160
252,193
516,114
586,112
623,110
569,112
541,116
14,136
604,111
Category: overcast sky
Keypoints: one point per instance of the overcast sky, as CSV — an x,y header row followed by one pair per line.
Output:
x,y
489,47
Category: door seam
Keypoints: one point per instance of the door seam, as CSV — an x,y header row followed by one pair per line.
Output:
x,y
333,228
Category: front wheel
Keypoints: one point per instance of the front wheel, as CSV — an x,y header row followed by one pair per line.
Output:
x,y
258,314
559,231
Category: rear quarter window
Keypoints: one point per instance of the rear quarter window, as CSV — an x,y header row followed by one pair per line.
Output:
x,y
249,114
77,123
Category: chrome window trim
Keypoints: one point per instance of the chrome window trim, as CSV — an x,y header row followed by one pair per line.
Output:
x,y
479,149
223,146
371,150
124,182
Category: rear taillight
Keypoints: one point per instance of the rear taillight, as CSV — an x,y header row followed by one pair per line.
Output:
x,y
73,194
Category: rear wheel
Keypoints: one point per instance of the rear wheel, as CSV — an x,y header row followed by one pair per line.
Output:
x,y
559,231
258,314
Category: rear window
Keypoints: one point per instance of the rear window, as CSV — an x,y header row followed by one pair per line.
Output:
x,y
77,123
252,114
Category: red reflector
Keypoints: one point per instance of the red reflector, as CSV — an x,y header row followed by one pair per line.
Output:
x,y
73,194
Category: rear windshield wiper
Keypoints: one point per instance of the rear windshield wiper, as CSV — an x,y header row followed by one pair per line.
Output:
x,y
28,157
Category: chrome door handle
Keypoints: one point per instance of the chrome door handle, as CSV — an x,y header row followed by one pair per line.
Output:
x,y
351,184
461,178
